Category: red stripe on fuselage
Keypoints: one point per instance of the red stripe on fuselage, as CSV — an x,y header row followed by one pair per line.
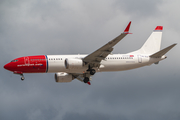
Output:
x,y
29,64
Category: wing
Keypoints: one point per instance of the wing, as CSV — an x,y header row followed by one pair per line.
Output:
x,y
95,58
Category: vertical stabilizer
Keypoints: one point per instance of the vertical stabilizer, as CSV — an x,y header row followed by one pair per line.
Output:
x,y
153,43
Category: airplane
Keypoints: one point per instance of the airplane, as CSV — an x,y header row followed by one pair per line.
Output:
x,y
82,67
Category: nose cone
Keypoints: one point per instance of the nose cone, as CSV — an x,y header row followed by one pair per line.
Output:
x,y
7,66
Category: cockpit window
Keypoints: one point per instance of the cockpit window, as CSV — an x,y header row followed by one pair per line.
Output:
x,y
14,60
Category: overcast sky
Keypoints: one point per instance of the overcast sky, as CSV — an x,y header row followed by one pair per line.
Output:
x,y
34,27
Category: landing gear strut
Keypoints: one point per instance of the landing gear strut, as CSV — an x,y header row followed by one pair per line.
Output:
x,y
19,73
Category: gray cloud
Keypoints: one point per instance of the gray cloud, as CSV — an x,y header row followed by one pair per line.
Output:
x,y
88,116
140,8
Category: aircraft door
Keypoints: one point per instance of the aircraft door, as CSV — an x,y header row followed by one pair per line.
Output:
x,y
139,59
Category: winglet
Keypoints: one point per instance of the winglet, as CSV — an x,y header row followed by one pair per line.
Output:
x,y
126,31
159,28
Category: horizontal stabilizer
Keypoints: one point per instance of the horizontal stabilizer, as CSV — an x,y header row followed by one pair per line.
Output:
x,y
162,52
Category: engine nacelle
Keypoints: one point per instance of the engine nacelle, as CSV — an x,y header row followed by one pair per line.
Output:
x,y
73,63
63,77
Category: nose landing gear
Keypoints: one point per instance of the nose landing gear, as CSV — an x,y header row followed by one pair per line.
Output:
x,y
19,73
22,78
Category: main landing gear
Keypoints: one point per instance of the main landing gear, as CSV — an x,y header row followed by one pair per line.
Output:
x,y
86,80
92,71
87,75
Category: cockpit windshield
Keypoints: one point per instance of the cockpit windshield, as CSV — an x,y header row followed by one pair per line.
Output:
x,y
14,60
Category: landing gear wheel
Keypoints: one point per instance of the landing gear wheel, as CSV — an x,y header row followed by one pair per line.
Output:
x,y
86,80
92,72
22,78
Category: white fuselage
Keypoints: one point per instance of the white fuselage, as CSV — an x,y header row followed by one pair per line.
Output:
x,y
115,62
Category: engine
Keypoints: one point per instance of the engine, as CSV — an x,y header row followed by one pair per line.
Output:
x,y
63,77
73,64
